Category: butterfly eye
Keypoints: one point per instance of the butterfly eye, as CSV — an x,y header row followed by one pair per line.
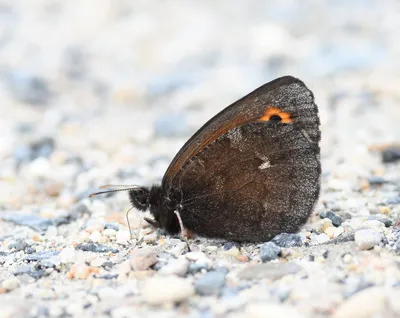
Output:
x,y
141,197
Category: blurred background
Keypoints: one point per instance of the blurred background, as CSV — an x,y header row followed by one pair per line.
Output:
x,y
102,91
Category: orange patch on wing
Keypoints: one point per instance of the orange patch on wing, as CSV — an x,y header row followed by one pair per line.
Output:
x,y
274,111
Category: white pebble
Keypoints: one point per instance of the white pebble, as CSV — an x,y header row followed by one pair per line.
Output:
x,y
51,232
95,236
175,267
150,237
322,238
374,225
330,231
67,255
11,283
367,239
123,237
161,290
110,232
178,249
338,231
194,256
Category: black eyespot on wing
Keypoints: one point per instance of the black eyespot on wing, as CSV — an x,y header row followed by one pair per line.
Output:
x,y
275,118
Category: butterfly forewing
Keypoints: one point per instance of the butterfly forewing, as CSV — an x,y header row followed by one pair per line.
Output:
x,y
287,97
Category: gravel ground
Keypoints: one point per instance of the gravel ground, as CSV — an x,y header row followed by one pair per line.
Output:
x,y
97,92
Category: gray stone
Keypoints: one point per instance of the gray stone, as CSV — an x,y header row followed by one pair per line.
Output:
x,y
195,268
388,222
18,245
391,154
96,248
287,240
376,180
28,88
111,226
394,200
40,256
336,219
270,271
396,246
342,238
211,283
26,269
269,251
33,221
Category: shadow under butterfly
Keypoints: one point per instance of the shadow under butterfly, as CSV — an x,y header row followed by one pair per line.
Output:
x,y
251,172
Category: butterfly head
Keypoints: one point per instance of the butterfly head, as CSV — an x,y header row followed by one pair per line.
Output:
x,y
140,198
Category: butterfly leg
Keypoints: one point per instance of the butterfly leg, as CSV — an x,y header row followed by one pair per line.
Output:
x,y
183,230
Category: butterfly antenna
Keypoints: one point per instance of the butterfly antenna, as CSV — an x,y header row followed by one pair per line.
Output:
x,y
126,188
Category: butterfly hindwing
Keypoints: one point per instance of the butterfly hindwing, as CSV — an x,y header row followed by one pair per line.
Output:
x,y
255,181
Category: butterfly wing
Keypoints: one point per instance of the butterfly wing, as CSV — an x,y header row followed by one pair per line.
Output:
x,y
286,97
254,182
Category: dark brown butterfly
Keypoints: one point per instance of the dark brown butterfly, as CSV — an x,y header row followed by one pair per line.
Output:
x,y
250,173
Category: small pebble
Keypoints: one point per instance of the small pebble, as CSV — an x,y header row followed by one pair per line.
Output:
x,y
391,154
338,231
150,237
396,246
171,289
233,252
335,219
123,237
67,255
384,210
18,245
143,259
79,271
96,248
287,240
10,284
269,251
177,267
330,231
374,225
272,271
322,238
110,232
111,226
210,284
194,256
367,239
95,236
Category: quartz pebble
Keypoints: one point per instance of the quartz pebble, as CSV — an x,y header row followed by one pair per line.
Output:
x,y
367,239
161,290
123,237
110,232
177,267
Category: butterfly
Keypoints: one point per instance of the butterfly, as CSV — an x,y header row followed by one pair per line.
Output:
x,y
249,173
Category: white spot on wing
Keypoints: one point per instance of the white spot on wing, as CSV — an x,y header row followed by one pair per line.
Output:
x,y
265,165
